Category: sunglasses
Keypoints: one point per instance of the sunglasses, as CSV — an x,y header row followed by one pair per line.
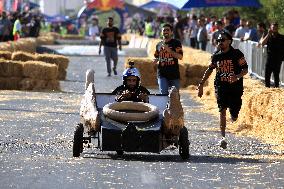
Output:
x,y
220,40
134,80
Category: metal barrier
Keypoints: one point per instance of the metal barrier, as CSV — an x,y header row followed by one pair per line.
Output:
x,y
255,57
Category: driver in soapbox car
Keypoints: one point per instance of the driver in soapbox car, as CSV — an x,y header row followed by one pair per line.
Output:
x,y
131,90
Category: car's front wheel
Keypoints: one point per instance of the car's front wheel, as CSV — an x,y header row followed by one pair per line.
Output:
x,y
183,143
78,140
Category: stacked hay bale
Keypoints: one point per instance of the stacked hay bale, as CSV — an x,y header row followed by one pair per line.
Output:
x,y
10,74
24,44
23,56
148,70
5,55
28,75
59,60
6,47
72,37
45,40
39,75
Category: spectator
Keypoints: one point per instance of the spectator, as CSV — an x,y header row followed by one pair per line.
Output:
x,y
5,27
230,67
71,29
210,27
241,30
202,36
219,27
251,34
275,53
261,30
228,26
94,30
149,27
17,29
236,20
167,53
110,38
178,29
193,31
34,26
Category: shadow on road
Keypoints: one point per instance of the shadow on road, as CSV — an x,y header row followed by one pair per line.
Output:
x,y
171,158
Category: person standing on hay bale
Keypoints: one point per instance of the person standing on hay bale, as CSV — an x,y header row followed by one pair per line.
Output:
x,y
131,90
166,55
110,37
230,66
17,28
275,53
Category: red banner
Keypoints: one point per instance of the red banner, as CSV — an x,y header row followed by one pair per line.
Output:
x,y
1,6
15,5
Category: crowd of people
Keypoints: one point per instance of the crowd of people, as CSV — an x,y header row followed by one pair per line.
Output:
x,y
14,25
197,31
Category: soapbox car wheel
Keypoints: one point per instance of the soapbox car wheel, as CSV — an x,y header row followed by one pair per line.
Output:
x,y
78,140
183,143
119,152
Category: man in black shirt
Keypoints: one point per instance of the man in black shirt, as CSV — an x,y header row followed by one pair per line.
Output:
x,y
131,90
110,37
230,66
167,54
275,54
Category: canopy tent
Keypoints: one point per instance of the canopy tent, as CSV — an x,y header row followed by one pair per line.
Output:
x,y
223,3
33,5
158,5
162,8
55,18
187,4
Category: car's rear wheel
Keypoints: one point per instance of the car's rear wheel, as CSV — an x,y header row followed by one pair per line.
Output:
x,y
183,143
119,152
78,140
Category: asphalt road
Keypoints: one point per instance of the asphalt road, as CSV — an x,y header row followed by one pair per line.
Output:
x,y
36,133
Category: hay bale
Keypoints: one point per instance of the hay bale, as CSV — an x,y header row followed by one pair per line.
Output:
x,y
40,70
36,84
5,55
23,56
72,37
183,75
6,47
52,34
24,44
10,68
45,40
147,69
61,74
10,83
60,60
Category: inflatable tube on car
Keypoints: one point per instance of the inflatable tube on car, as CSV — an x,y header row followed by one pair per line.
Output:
x,y
141,111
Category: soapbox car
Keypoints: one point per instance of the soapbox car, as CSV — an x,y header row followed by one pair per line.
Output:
x,y
129,126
